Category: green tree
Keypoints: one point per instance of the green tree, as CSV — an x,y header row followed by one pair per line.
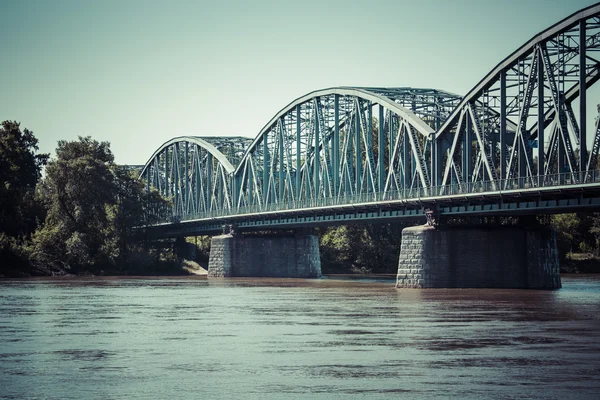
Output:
x,y
78,189
133,208
20,170
337,252
94,208
369,248
566,226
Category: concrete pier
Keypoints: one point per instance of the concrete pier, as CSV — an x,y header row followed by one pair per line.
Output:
x,y
265,256
478,257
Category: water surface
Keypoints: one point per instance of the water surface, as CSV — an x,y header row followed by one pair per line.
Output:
x,y
189,338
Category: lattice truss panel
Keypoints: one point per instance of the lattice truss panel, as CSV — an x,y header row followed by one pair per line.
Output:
x,y
538,126
195,172
341,142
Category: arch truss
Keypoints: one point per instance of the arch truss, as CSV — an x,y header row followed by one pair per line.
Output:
x,y
537,133
344,142
195,173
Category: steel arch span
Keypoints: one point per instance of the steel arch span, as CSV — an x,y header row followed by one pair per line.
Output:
x,y
340,142
195,172
520,135
541,90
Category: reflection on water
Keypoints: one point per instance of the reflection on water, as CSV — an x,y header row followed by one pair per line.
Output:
x,y
102,338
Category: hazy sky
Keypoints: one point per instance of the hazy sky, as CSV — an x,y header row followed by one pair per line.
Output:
x,y
137,73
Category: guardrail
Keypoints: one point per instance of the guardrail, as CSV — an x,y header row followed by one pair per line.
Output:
x,y
499,186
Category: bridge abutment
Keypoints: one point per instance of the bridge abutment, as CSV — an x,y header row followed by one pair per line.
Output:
x,y
265,256
478,257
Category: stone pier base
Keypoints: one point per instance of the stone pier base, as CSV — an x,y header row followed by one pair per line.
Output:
x,y
265,256
478,257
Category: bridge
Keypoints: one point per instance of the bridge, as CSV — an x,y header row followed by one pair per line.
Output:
x,y
522,141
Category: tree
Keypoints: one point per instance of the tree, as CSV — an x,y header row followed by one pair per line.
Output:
x,y
78,189
133,208
20,170
94,208
369,248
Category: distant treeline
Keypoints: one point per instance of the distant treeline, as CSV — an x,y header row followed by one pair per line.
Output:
x,y
79,218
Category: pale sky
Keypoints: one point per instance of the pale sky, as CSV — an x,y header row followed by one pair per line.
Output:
x,y
137,73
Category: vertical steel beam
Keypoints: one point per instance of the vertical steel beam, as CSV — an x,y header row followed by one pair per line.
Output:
x,y
560,155
186,194
235,189
167,188
439,151
438,117
336,143
380,152
157,184
219,191
436,156
209,180
582,98
198,175
281,172
148,179
391,142
357,158
406,176
540,121
176,178
369,151
467,150
265,177
503,174
317,163
298,155
522,164
492,136
250,173
433,154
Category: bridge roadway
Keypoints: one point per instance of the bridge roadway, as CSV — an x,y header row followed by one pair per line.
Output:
x,y
554,197
517,143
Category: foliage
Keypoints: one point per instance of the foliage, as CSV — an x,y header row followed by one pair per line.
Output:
x,y
577,233
566,226
79,188
372,248
20,212
20,170
93,208
13,256
132,208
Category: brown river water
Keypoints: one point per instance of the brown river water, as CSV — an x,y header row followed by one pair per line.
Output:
x,y
330,338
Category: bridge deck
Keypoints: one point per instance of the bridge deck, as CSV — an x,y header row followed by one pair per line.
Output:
x,y
465,201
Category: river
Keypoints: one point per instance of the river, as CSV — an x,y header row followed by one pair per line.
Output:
x,y
193,338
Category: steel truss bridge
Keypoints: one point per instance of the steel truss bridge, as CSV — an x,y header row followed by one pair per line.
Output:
x,y
518,142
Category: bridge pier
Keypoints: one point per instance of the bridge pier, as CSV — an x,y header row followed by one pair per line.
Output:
x,y
294,256
478,257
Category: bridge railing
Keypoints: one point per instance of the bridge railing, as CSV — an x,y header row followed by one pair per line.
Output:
x,y
503,185
483,187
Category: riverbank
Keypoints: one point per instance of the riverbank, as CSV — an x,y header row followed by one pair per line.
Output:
x,y
580,263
